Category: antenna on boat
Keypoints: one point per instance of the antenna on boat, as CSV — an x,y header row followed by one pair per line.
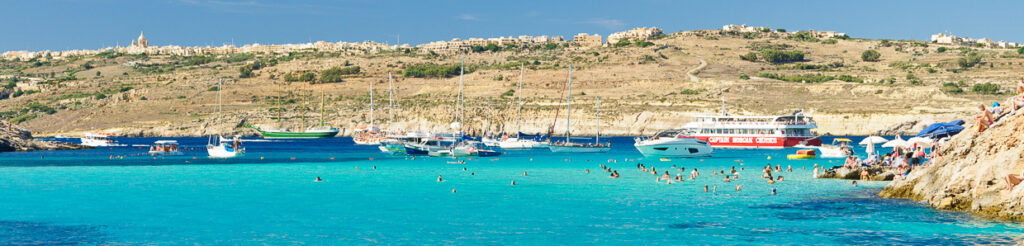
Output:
x,y
723,105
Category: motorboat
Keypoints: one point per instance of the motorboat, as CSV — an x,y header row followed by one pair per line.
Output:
x,y
840,148
437,145
99,140
164,148
673,143
473,148
224,149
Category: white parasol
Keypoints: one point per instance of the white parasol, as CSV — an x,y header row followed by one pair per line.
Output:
x,y
872,140
898,142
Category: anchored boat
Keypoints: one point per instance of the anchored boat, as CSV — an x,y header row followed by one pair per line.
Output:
x,y
568,146
165,148
673,143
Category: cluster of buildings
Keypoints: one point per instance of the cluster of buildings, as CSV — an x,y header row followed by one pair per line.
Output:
x,y
943,38
582,40
460,45
141,45
811,32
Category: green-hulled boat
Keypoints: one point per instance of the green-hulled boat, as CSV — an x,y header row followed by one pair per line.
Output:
x,y
322,131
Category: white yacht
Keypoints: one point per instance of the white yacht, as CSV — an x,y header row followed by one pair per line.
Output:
x,y
673,143
98,140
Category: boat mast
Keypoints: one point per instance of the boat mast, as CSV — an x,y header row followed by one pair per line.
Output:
x,y
323,98
598,139
279,108
723,105
462,71
391,102
303,120
568,110
519,97
371,105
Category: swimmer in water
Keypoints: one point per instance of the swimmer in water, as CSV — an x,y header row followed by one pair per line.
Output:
x,y
666,176
588,170
774,192
513,182
854,183
524,173
780,178
705,188
615,174
726,178
439,178
318,179
738,188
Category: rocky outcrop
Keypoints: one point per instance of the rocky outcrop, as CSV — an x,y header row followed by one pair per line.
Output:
x,y
969,175
13,138
874,173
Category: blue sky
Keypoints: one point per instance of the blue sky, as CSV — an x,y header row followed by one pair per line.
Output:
x,y
92,24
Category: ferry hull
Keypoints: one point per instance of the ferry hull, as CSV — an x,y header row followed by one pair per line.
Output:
x,y
283,135
759,142
578,149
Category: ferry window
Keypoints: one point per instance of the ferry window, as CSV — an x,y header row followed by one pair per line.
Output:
x,y
693,150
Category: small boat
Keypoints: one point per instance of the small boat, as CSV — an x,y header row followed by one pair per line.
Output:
x,y
164,148
520,142
803,154
568,146
673,143
840,148
367,135
436,145
473,148
222,149
99,140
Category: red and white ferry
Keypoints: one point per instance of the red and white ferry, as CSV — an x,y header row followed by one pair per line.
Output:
x,y
730,131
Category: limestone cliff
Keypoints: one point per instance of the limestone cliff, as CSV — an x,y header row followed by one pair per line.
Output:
x,y
13,138
969,175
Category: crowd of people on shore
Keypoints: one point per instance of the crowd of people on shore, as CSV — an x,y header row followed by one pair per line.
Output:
x,y
990,116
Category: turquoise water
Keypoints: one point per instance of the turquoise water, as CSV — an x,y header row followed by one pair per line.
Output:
x,y
85,197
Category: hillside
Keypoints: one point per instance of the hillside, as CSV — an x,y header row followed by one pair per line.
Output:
x,y
643,87
970,174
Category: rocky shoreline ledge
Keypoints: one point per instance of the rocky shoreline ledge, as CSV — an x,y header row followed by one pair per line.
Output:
x,y
13,138
970,173
874,173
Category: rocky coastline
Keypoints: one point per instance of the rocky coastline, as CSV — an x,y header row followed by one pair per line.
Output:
x,y
970,173
13,138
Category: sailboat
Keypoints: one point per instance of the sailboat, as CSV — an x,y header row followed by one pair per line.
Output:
x,y
568,146
368,135
518,142
221,149
394,140
322,131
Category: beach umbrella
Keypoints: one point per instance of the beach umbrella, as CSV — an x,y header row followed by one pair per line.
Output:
x,y
898,142
920,141
872,140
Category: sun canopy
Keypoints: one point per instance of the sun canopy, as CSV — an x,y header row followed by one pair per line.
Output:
x,y
843,140
941,130
872,140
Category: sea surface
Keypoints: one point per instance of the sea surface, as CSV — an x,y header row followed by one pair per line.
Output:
x,y
120,195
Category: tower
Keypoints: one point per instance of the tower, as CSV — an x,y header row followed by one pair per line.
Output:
x,y
142,42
